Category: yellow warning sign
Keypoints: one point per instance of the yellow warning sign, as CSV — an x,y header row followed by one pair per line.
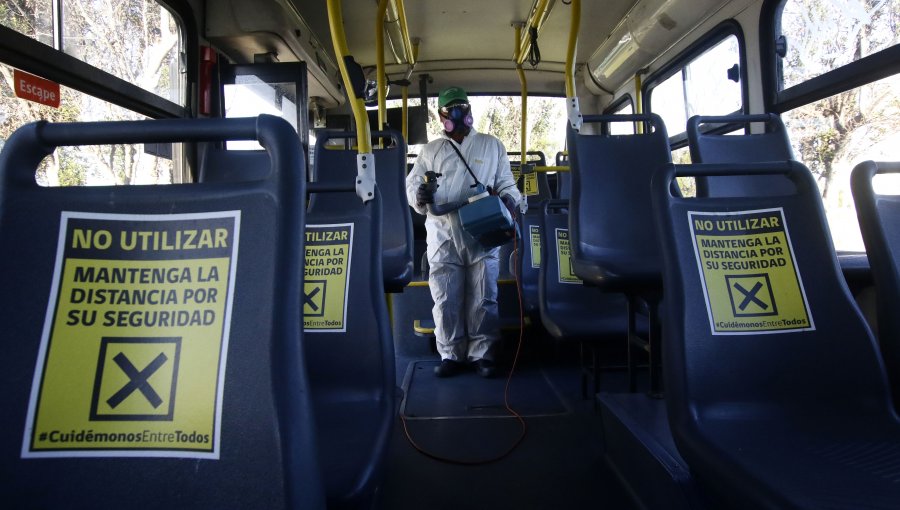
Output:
x,y
531,184
327,275
563,258
133,353
750,280
517,172
535,234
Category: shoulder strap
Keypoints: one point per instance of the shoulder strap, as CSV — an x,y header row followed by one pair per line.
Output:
x,y
453,145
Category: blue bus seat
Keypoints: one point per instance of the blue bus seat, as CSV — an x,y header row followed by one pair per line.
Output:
x,y
612,173
525,265
612,241
641,451
709,146
351,365
879,221
571,311
263,451
776,395
336,165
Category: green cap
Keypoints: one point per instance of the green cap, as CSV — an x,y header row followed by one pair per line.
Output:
x,y
450,95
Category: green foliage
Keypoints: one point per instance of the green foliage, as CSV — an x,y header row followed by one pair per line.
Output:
x,y
546,120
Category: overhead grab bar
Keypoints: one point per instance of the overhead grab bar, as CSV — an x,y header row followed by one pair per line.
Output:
x,y
410,50
538,15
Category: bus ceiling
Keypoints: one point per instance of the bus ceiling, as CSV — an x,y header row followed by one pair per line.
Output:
x,y
463,42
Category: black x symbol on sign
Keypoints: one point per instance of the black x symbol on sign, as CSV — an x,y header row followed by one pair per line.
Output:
x,y
750,296
307,298
137,380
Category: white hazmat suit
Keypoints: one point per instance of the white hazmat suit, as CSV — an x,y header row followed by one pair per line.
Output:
x,y
463,274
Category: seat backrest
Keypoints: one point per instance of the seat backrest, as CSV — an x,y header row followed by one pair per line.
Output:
x,y
713,147
528,258
169,369
610,222
348,341
563,179
562,297
526,183
879,221
758,318
333,164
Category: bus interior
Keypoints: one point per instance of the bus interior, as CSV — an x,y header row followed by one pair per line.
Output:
x,y
216,294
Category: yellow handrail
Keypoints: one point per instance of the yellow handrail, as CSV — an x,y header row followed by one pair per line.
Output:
x,y
524,83
379,66
339,39
570,51
638,101
404,31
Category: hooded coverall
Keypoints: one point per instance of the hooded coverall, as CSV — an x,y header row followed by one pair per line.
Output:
x,y
463,274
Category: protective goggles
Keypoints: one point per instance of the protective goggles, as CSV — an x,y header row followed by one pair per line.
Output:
x,y
455,110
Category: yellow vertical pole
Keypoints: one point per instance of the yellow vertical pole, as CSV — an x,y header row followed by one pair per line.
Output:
x,y
574,24
573,110
379,67
524,88
638,101
339,39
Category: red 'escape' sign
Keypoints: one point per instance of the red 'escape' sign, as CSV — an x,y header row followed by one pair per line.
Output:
x,y
34,88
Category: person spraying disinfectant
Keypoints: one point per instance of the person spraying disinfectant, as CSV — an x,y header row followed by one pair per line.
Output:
x,y
463,164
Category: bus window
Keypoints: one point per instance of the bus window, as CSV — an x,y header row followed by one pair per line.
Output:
x,y
129,47
831,133
687,185
138,41
34,19
625,107
708,84
823,35
87,165
501,116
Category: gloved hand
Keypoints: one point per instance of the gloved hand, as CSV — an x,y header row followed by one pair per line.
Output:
x,y
510,204
424,195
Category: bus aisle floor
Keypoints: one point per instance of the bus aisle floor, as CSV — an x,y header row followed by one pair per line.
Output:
x,y
559,464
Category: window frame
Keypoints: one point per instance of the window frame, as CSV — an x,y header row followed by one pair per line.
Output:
x,y
710,39
866,70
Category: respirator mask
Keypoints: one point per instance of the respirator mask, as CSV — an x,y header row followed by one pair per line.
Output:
x,y
456,118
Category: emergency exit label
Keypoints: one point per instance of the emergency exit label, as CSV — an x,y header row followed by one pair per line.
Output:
x,y
535,234
750,279
132,358
327,276
564,259
37,89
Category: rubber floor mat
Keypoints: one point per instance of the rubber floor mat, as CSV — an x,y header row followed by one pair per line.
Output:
x,y
469,396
